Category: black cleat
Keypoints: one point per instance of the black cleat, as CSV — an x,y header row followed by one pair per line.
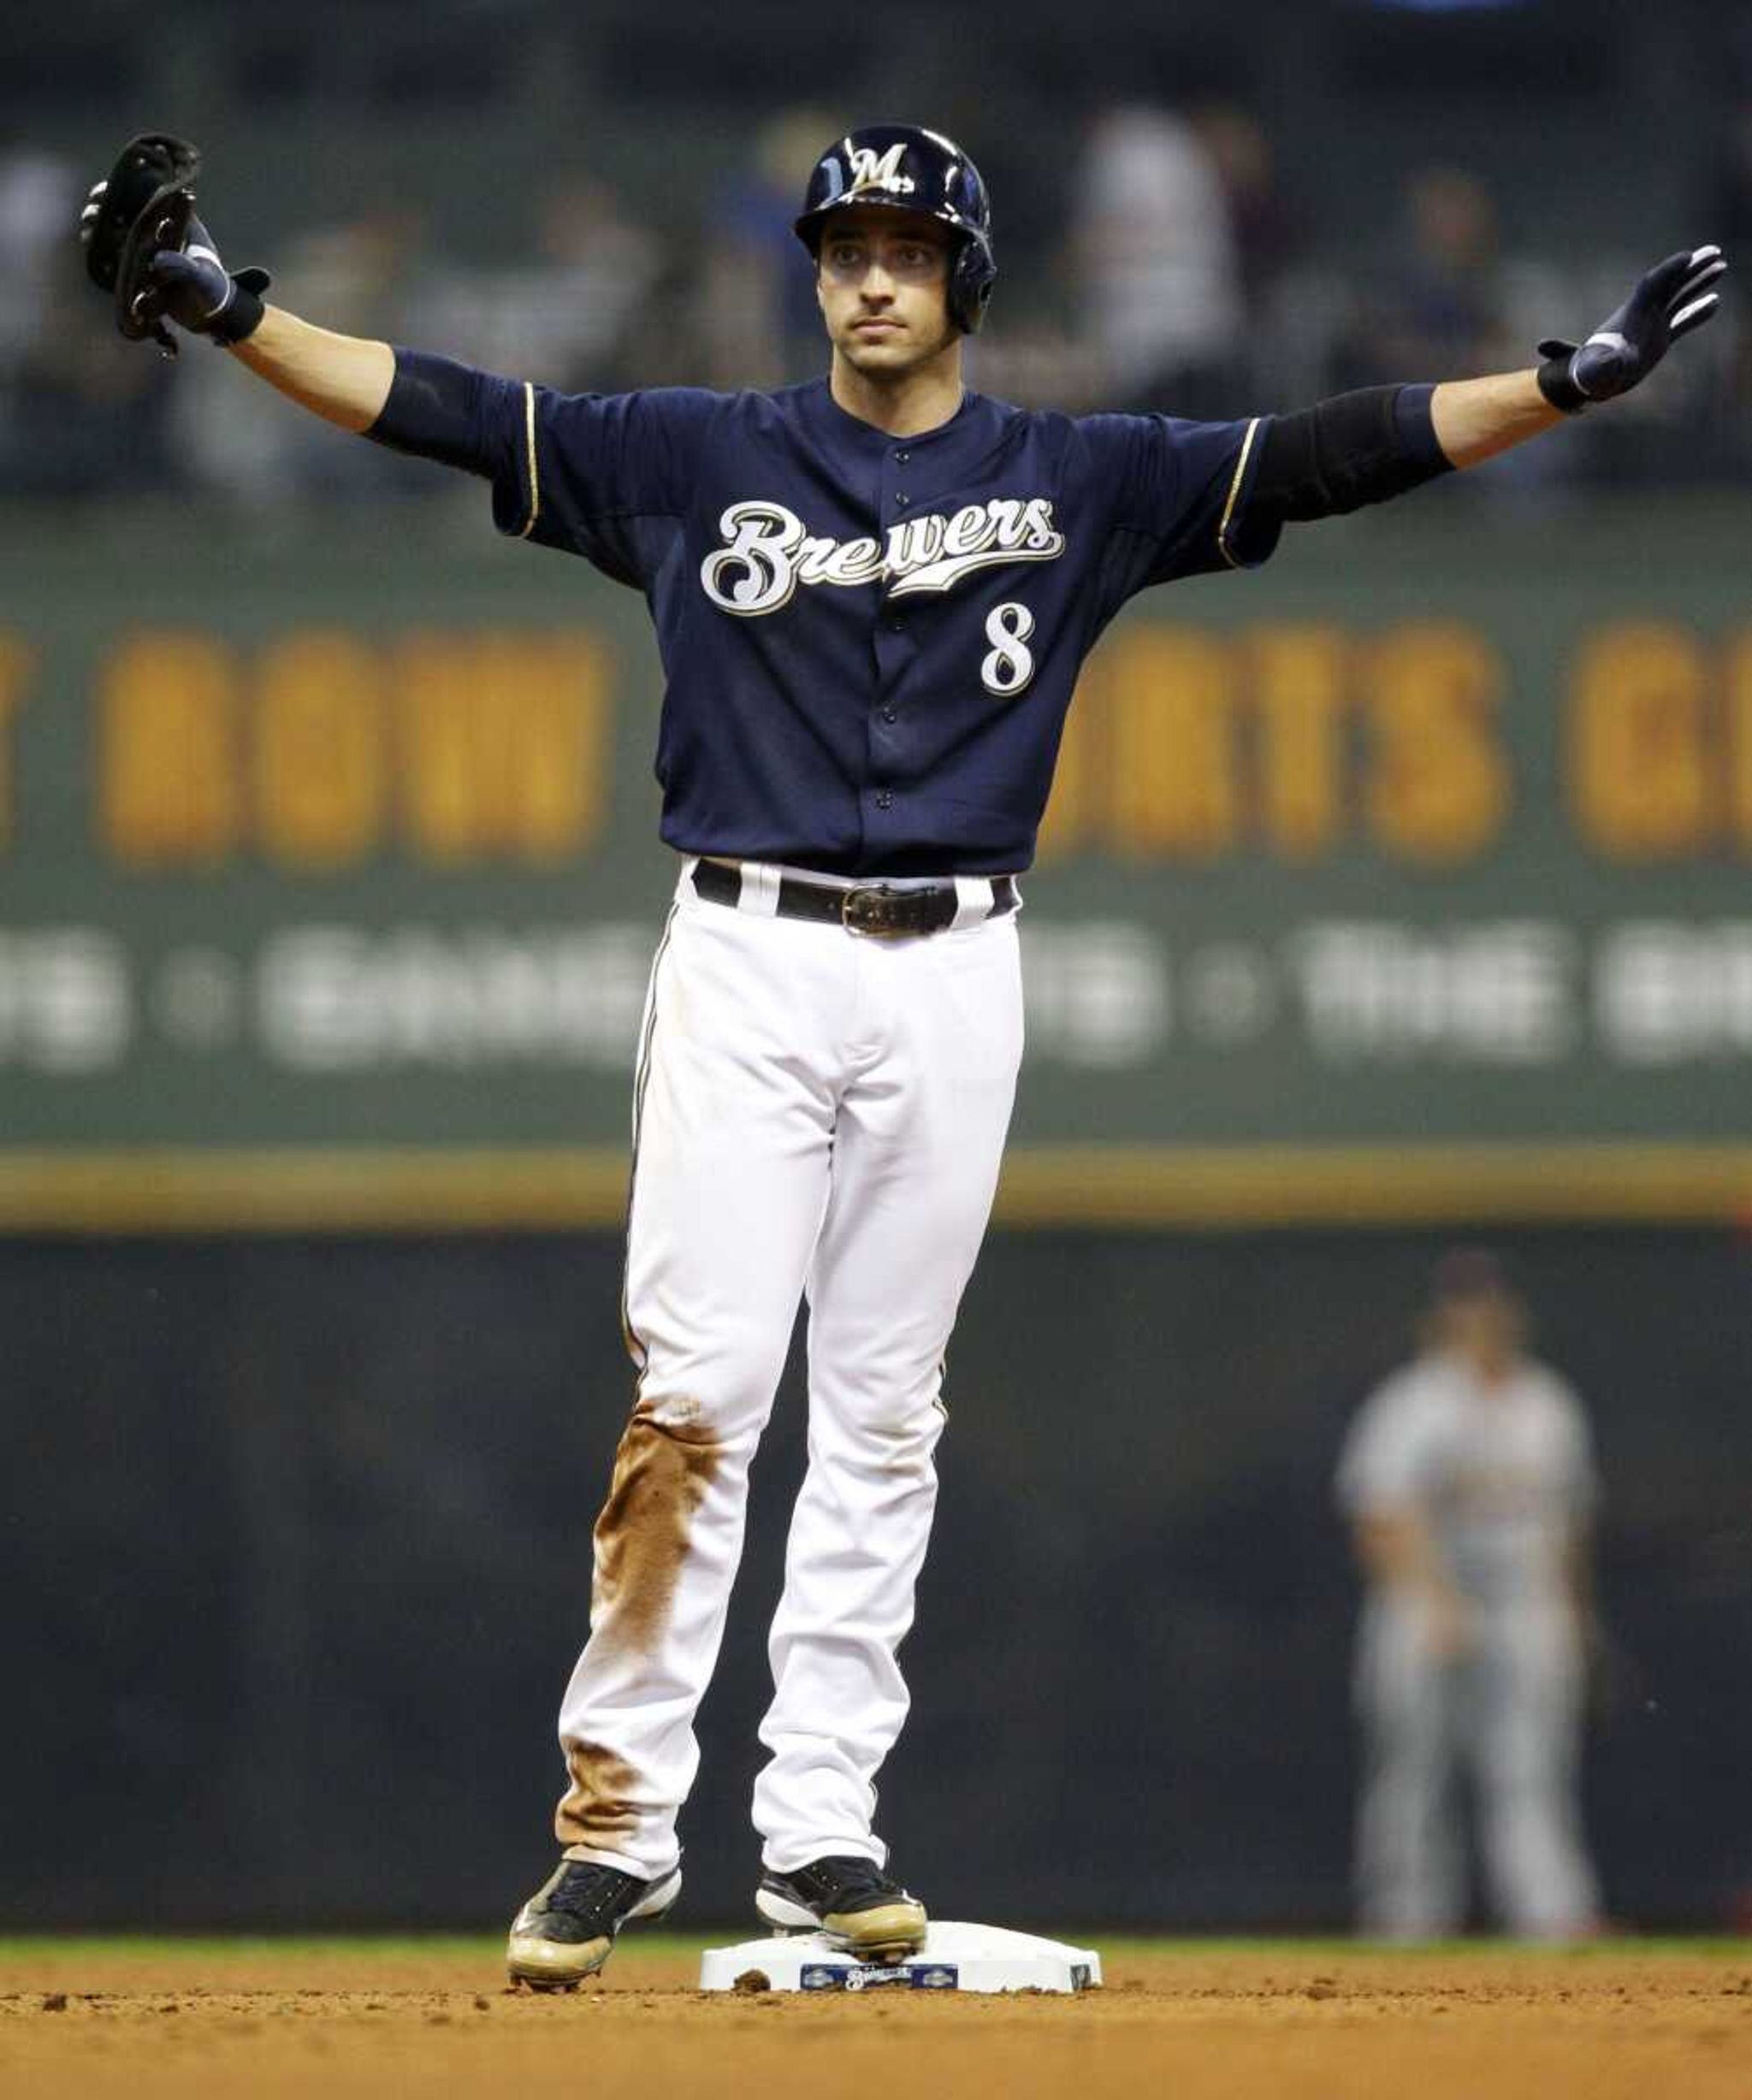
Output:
x,y
852,1901
567,1929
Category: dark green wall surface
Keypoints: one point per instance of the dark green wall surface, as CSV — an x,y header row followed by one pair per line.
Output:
x,y
295,1561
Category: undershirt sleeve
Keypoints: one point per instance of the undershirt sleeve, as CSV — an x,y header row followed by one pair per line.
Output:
x,y
1343,453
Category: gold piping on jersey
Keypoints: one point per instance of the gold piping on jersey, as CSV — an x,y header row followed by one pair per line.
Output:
x,y
530,442
1235,491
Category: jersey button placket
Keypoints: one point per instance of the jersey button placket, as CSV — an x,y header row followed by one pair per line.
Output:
x,y
893,650
891,618
901,498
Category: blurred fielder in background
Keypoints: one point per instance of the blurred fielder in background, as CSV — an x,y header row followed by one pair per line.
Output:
x,y
1469,1478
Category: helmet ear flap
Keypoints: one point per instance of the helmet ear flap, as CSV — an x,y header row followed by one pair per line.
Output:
x,y
970,281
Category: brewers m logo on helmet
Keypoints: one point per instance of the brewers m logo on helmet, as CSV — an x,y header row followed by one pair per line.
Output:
x,y
871,170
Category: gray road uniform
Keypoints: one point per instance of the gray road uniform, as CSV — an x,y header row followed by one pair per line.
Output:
x,y
1501,1475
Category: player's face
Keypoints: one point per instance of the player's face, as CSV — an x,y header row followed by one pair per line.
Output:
x,y
882,279
1489,1326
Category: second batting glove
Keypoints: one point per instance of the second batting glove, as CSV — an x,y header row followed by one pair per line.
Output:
x,y
1674,299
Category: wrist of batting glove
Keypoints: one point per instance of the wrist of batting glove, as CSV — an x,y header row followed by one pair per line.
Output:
x,y
1674,298
201,295
1557,377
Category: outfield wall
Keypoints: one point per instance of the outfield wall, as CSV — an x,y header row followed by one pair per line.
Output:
x,y
294,1561
1405,879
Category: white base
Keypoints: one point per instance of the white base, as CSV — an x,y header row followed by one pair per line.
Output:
x,y
954,1957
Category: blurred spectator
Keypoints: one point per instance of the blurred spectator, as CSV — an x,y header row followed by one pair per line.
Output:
x,y
1452,306
1468,1477
85,412
1264,229
1439,312
80,410
1159,266
358,276
40,197
757,321
562,316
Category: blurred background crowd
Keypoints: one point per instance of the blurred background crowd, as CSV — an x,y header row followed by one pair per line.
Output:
x,y
1206,211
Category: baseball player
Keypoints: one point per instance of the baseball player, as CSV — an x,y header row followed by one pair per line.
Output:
x,y
872,593
1468,1479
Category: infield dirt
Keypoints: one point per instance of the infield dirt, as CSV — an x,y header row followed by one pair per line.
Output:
x,y
1279,2022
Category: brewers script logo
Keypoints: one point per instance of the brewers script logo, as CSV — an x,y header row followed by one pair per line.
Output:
x,y
769,552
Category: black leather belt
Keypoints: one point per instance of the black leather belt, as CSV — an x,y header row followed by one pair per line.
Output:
x,y
870,908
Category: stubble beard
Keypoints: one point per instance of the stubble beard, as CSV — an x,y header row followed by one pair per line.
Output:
x,y
880,368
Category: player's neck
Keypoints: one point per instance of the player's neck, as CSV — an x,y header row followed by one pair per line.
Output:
x,y
1490,1367
903,404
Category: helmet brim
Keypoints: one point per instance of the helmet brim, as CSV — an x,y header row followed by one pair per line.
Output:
x,y
808,229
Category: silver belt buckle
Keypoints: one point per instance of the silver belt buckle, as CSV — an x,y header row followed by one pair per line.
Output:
x,y
865,909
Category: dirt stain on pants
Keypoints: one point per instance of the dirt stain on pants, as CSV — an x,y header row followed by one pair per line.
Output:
x,y
661,1475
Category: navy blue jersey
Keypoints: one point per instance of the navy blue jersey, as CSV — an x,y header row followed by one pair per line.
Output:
x,y
869,642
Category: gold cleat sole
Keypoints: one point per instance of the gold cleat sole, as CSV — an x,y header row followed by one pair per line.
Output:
x,y
888,1934
547,1964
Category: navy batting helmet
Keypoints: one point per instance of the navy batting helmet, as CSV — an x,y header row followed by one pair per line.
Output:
x,y
915,170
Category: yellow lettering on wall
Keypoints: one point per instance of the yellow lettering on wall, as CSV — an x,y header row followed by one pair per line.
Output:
x,y
1438,786
167,775
1738,683
1299,696
504,745
319,758
1071,818
1173,789
438,778
1639,742
16,659
546,699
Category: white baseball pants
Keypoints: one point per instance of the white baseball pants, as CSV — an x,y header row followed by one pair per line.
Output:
x,y
816,1112
1508,1717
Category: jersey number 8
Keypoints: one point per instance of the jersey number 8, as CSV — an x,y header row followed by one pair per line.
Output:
x,y
1008,665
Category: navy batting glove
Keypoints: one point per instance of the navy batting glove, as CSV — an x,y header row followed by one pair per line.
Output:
x,y
201,295
1672,300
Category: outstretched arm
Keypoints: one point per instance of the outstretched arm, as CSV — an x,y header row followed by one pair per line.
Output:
x,y
1365,447
1475,419
406,399
344,379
